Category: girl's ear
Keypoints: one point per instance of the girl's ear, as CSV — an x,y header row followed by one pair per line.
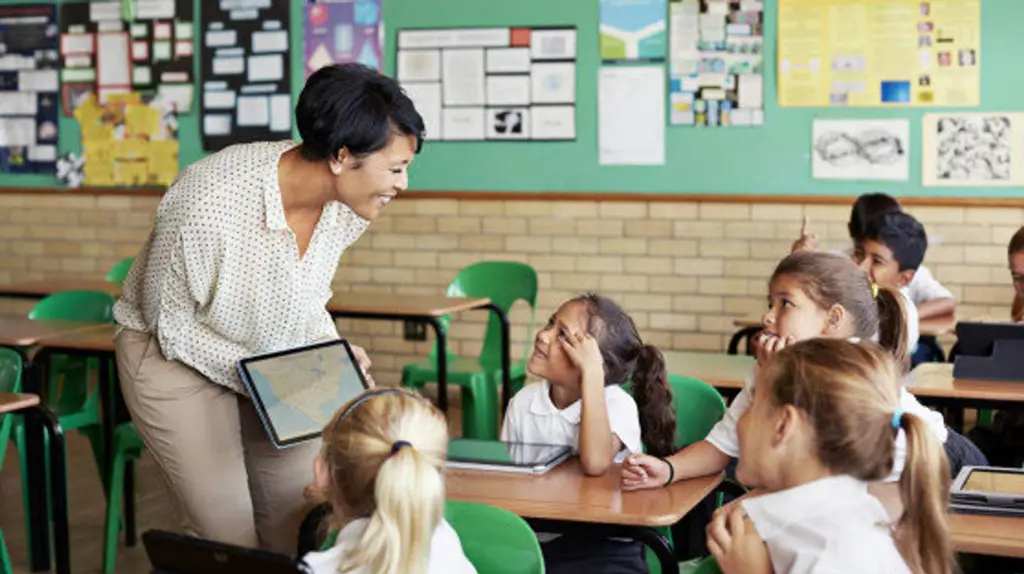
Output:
x,y
787,418
321,474
835,321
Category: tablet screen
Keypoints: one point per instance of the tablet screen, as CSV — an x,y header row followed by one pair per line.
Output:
x,y
502,453
995,482
299,391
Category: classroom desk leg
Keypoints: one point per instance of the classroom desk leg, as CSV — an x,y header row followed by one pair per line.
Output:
x,y
649,537
506,356
744,333
58,485
38,518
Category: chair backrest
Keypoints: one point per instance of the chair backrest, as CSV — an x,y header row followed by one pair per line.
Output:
x,y
707,566
494,540
504,283
120,270
85,306
10,382
698,408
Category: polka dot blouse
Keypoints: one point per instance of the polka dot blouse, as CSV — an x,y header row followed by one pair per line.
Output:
x,y
220,277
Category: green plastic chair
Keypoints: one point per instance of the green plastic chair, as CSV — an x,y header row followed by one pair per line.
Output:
x,y
128,446
120,270
494,540
10,382
504,283
705,565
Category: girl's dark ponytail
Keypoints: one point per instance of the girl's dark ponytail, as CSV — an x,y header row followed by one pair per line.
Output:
x,y
892,326
654,401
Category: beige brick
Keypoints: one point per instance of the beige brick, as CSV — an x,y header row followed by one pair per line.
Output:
x,y
673,321
959,234
672,210
558,263
505,225
945,254
717,324
995,216
646,302
14,262
436,242
726,211
575,281
984,255
772,250
699,229
575,245
415,223
460,225
528,208
78,265
423,259
776,212
359,274
456,260
394,241
528,244
96,249
436,206
673,284
599,227
965,274
481,243
718,286
46,264
140,203
674,247
746,230
648,228
573,209
370,258
650,265
394,275
702,267
624,283
754,268
980,295
97,218
28,247
660,339
622,210
697,304
482,208
790,231
113,202
1001,235
61,248
745,306
729,249
46,216
928,215
624,246
140,220
600,264
822,213
551,227
698,342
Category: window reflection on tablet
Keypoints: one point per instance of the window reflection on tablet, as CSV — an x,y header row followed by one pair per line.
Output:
x,y
530,454
996,482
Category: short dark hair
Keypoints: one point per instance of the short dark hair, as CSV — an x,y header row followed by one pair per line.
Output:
x,y
1017,242
902,234
866,208
351,106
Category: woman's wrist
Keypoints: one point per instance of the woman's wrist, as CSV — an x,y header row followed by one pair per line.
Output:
x,y
671,470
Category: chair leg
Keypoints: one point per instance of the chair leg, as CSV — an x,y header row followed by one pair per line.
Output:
x,y
5,560
99,452
19,441
479,411
113,524
129,502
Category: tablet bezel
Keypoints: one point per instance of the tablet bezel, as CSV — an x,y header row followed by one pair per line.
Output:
x,y
563,452
958,491
257,401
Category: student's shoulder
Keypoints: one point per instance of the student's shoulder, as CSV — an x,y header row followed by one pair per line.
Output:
x,y
446,554
618,399
521,400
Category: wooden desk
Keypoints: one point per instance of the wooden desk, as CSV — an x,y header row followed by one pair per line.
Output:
x,y
429,309
24,332
933,384
41,289
937,326
564,495
11,402
726,373
990,535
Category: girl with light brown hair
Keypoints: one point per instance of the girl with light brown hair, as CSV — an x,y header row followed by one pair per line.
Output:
x,y
382,469
819,429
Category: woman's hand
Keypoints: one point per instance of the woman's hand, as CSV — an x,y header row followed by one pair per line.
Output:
x,y
735,544
641,471
808,239
364,363
583,351
766,345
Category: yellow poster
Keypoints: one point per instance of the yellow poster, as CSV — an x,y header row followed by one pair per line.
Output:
x,y
879,53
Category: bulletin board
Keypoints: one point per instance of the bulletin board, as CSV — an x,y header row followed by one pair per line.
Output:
x,y
774,159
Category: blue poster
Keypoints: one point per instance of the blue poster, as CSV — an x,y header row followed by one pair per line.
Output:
x,y
633,30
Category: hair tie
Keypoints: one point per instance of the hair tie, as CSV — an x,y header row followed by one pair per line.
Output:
x,y
874,290
897,417
398,444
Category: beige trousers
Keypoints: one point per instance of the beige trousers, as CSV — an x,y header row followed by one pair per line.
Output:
x,y
230,483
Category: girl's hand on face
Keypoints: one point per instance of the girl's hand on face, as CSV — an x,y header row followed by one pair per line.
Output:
x,y
808,239
766,345
584,353
642,471
736,545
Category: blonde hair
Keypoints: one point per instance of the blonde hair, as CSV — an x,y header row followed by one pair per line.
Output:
x,y
850,394
385,451
828,279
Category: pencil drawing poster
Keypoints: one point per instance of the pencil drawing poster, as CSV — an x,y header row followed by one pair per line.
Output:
x,y
875,150
976,149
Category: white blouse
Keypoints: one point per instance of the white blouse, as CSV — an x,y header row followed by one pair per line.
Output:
x,y
220,277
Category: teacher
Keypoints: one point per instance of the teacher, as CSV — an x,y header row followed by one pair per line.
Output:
x,y
240,262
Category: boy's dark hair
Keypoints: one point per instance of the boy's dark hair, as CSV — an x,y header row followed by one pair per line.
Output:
x,y
868,207
627,358
351,106
902,234
1017,242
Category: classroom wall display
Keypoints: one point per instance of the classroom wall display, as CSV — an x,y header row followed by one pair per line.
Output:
x,y
491,83
339,32
633,30
976,149
716,74
861,149
148,48
246,82
28,89
871,53
128,141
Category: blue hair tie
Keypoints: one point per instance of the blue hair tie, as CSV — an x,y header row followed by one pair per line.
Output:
x,y
398,444
897,417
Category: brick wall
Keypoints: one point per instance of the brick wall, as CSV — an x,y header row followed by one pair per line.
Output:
x,y
683,270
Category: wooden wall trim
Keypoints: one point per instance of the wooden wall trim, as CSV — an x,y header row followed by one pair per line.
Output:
x,y
1011,202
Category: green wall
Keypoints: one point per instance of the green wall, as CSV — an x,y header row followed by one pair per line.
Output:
x,y
772,159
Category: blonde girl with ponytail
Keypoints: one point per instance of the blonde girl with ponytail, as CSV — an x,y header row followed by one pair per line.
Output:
x,y
382,469
819,429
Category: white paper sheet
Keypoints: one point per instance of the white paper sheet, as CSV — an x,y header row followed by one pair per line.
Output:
x,y
77,75
42,153
161,51
419,65
219,100
453,38
38,80
178,95
183,49
139,30
17,132
217,125
508,90
280,113
76,44
253,110
244,14
99,11
631,115
183,30
463,79
162,31
228,66
140,50
142,75
508,123
266,68
173,77
112,60
17,62
221,38
508,60
18,104
259,89
427,99
275,41
554,83
861,149
553,44
154,9
751,91
464,124
553,122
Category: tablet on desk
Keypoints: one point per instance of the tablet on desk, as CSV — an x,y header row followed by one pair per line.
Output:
x,y
505,456
297,391
989,486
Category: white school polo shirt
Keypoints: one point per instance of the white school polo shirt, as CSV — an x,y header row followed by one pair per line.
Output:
x,y
533,418
925,287
724,437
446,556
830,525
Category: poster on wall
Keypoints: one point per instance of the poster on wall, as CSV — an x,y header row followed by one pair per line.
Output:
x,y
491,83
28,89
879,53
716,71
861,149
246,79
633,30
971,150
340,32
631,115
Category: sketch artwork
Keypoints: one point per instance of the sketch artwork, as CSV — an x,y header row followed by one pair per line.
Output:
x,y
972,149
861,149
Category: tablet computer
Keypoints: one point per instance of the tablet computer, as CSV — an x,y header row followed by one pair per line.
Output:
x,y
171,553
505,456
989,486
297,391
